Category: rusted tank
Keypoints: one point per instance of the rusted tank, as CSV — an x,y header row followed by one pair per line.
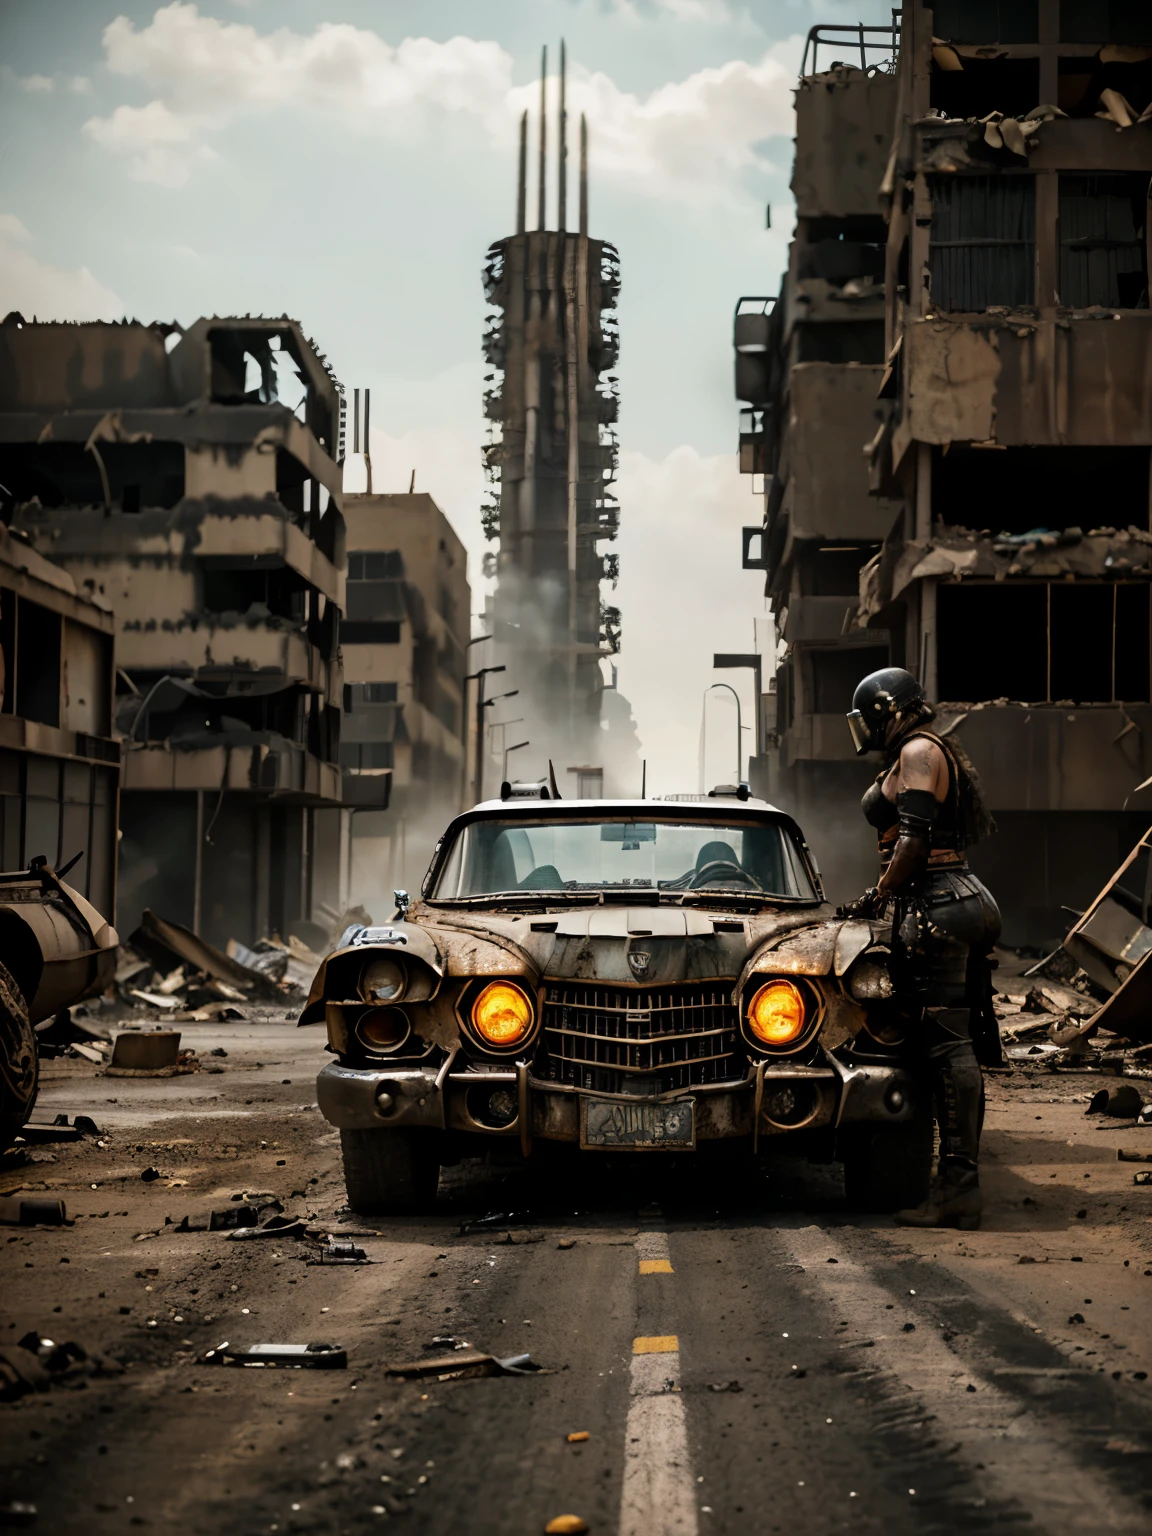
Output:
x,y
55,950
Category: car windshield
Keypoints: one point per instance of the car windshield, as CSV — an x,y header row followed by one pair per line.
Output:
x,y
491,857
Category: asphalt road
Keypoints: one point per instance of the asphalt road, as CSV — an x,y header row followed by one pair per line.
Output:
x,y
742,1353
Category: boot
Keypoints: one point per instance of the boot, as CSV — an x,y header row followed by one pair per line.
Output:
x,y
954,1200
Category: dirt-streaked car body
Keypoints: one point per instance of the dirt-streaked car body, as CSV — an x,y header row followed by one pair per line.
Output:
x,y
514,1006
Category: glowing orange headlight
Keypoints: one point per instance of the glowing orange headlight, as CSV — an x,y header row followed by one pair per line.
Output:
x,y
777,1013
502,1014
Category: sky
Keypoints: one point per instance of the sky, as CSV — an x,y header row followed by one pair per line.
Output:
x,y
349,162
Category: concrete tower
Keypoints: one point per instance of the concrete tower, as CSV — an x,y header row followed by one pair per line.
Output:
x,y
552,340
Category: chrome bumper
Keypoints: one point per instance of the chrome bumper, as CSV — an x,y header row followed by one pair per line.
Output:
x,y
777,1099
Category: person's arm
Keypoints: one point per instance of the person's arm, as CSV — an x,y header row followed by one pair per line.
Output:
x,y
919,773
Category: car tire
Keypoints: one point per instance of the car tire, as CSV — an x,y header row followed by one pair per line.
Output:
x,y
390,1173
889,1167
19,1061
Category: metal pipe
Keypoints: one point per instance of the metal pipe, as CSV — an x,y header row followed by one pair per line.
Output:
x,y
521,180
356,421
367,443
562,173
583,174
543,148
508,753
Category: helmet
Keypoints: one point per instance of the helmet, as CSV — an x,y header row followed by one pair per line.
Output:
x,y
876,703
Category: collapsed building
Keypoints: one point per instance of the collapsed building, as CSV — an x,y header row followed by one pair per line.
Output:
x,y
59,762
192,481
808,366
1015,425
404,643
552,340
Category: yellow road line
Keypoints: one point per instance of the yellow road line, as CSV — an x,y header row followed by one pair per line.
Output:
x,y
656,1267
658,1344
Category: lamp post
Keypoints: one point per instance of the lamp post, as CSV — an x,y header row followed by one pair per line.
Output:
x,y
478,679
508,752
739,729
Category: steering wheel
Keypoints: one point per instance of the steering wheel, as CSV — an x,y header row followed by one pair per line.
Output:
x,y
722,871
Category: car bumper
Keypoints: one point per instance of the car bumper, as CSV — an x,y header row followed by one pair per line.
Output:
x,y
775,1100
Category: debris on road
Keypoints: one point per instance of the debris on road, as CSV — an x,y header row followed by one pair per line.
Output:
x,y
1124,1102
316,1357
273,1226
1131,1155
18,1512
725,1386
578,1436
496,1221
1144,1177
461,1366
338,1251
156,1051
566,1242
565,1525
35,1363
31,1211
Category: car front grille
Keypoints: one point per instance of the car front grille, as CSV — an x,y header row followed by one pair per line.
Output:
x,y
641,1041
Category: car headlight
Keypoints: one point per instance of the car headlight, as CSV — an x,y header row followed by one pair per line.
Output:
x,y
382,980
383,1029
502,1014
777,1013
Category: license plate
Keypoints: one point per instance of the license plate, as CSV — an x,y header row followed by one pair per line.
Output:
x,y
613,1123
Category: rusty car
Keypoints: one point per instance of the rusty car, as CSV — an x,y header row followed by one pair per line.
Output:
x,y
624,976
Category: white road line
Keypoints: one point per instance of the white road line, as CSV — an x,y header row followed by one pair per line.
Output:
x,y
658,1497
1010,1447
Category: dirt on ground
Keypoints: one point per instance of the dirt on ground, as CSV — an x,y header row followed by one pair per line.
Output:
x,y
828,1371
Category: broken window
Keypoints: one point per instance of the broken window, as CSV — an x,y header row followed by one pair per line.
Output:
x,y
1103,259
982,248
835,675
38,635
361,755
370,693
1084,642
1013,490
986,21
375,600
962,86
237,590
841,341
834,571
1105,21
130,476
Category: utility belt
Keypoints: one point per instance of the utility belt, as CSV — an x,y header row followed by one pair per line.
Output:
x,y
938,858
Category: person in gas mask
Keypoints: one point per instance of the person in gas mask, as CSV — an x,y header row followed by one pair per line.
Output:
x,y
927,809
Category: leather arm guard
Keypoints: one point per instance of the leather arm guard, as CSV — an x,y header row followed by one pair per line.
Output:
x,y
918,810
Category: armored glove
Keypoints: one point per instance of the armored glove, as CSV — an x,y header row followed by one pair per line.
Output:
x,y
871,904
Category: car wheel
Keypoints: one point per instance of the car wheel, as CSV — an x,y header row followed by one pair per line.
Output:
x,y
889,1167
19,1061
389,1172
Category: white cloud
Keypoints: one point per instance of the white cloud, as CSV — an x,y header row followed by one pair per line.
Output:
x,y
689,138
46,292
36,85
161,145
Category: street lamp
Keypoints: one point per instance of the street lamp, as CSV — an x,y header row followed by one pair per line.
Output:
x,y
508,752
739,729
478,679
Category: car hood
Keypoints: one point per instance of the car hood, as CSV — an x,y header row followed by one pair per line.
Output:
x,y
610,944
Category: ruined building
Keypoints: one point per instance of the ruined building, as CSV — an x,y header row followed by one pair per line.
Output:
x,y
191,480
405,645
1016,428
552,342
808,365
1018,424
59,764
